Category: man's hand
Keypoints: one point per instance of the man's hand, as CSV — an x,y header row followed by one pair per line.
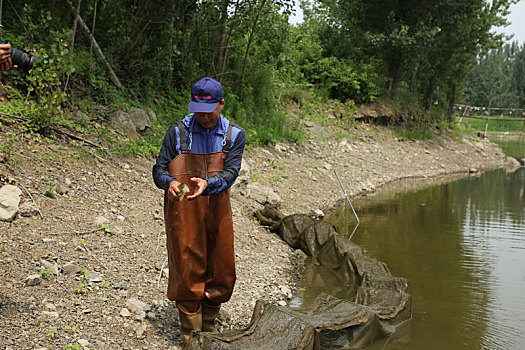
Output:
x,y
173,190
5,58
201,186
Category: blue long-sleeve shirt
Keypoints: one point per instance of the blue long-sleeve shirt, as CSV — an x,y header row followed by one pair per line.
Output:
x,y
202,141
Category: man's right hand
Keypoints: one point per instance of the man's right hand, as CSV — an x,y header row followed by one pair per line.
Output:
x,y
173,190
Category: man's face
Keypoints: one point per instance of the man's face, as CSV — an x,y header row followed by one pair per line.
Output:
x,y
209,120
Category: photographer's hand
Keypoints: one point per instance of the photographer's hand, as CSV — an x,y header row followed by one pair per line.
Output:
x,y
5,58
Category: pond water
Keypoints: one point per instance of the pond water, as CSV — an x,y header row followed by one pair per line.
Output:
x,y
461,244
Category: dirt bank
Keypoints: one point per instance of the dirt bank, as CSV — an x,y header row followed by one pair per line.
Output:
x,y
100,242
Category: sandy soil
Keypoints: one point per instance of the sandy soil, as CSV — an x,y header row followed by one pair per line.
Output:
x,y
105,222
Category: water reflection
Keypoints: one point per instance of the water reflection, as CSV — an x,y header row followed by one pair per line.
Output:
x,y
461,245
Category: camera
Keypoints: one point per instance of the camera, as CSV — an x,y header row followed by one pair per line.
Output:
x,y
23,60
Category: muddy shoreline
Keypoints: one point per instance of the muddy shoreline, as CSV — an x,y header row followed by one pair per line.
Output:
x,y
118,197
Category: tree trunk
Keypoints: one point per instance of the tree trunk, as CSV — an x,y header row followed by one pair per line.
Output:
x,y
1,17
222,36
227,48
451,99
430,92
91,39
252,32
94,21
75,24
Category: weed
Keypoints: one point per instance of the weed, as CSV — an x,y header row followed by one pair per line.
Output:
x,y
50,192
256,176
80,241
276,179
71,328
52,333
103,284
83,287
46,273
108,230
74,346
7,146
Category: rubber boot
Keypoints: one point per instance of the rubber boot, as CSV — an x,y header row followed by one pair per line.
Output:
x,y
209,315
188,324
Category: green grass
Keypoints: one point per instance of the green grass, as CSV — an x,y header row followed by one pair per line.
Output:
x,y
496,125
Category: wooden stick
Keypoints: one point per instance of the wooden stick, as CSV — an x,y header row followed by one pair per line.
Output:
x,y
77,233
93,255
30,196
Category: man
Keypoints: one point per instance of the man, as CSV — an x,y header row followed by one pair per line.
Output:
x,y
203,151
5,58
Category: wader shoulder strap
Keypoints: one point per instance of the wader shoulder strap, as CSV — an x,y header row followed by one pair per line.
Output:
x,y
228,140
184,145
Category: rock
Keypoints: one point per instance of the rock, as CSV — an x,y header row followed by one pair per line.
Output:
x,y
53,314
121,285
511,162
262,194
317,213
9,201
50,306
141,329
33,280
51,266
83,342
140,119
140,315
95,277
71,269
61,189
137,305
151,114
279,147
28,209
125,312
100,220
49,240
120,120
131,122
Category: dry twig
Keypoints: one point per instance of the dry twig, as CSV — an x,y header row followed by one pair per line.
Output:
x,y
77,233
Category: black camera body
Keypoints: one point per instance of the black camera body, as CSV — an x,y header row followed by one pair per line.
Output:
x,y
23,60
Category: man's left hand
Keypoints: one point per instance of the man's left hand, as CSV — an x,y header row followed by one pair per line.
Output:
x,y
201,186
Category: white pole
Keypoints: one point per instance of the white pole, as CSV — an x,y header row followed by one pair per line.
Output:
x,y
347,198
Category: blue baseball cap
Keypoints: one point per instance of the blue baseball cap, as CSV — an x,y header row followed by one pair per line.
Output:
x,y
205,95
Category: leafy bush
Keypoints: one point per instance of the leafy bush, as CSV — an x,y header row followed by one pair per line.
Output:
x,y
45,83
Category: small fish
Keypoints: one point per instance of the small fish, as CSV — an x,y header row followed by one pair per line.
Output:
x,y
183,190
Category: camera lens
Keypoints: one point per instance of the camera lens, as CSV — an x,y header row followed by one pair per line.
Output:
x,y
23,60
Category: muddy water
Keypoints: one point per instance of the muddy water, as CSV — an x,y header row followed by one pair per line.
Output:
x,y
462,246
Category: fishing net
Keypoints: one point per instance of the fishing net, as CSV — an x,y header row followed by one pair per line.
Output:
x,y
375,303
